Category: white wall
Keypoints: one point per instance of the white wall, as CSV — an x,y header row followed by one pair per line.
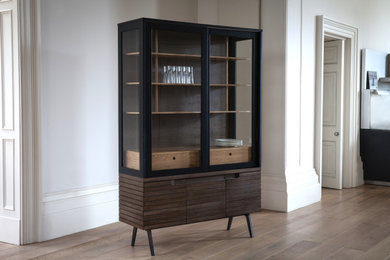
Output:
x,y
78,106
78,95
374,32
78,100
79,86
289,81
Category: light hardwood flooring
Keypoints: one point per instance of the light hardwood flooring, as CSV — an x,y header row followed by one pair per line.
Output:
x,y
347,224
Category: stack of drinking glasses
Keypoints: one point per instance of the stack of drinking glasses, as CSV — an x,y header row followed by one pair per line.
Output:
x,y
178,74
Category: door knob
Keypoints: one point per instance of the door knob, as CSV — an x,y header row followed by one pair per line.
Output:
x,y
336,133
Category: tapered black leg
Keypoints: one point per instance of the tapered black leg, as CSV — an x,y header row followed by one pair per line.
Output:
x,y
150,242
248,221
134,236
230,223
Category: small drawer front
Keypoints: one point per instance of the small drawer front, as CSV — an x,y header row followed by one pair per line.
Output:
x,y
164,204
175,160
132,160
230,155
243,194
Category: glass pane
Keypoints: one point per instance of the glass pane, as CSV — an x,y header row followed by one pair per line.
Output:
x,y
230,100
131,91
176,100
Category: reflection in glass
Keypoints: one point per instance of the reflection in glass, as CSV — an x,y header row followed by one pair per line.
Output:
x,y
230,100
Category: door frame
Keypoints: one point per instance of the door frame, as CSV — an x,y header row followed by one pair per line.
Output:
x,y
352,165
29,22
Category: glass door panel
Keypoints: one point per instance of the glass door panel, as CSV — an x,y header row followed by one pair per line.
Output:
x,y
131,91
176,100
230,100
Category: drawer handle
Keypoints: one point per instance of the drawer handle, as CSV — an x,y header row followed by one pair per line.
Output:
x,y
173,158
232,176
230,154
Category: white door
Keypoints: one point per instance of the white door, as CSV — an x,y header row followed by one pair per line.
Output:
x,y
332,124
9,123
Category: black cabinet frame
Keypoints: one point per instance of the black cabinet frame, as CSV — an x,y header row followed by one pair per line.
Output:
x,y
145,27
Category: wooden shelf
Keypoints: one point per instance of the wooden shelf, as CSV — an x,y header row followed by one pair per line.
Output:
x,y
199,85
229,85
176,112
229,112
193,148
176,55
132,53
132,83
175,84
227,58
132,113
189,112
175,149
192,56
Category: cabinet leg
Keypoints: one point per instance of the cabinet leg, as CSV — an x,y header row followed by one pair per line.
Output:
x,y
134,236
249,222
230,223
150,242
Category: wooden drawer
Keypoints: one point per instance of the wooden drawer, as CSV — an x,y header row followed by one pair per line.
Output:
x,y
175,160
132,160
165,204
205,199
168,202
230,155
243,193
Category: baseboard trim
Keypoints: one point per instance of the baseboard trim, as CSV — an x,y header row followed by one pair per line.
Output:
x,y
72,211
297,188
379,183
9,227
304,188
273,192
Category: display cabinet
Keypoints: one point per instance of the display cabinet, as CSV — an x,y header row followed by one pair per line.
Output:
x,y
189,123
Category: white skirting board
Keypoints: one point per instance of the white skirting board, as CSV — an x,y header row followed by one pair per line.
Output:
x,y
379,183
72,211
8,225
287,194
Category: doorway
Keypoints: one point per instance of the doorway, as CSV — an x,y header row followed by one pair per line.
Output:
x,y
341,141
333,113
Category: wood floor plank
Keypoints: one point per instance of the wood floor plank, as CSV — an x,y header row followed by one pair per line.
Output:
x,y
379,251
345,253
346,224
294,251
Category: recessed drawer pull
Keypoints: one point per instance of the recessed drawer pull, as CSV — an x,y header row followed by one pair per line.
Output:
x,y
230,154
232,176
173,158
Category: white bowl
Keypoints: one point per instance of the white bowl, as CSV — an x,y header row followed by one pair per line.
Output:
x,y
228,142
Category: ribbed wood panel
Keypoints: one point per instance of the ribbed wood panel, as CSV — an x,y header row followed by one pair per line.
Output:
x,y
243,194
164,204
169,201
131,198
205,198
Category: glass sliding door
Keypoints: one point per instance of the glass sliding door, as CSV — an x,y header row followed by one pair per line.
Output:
x,y
230,94
176,100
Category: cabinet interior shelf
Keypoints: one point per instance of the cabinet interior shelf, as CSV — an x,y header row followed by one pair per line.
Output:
x,y
189,112
189,85
193,56
191,148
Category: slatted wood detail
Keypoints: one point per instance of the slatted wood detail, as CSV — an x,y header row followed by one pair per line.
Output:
x,y
243,194
164,204
205,198
171,201
131,200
